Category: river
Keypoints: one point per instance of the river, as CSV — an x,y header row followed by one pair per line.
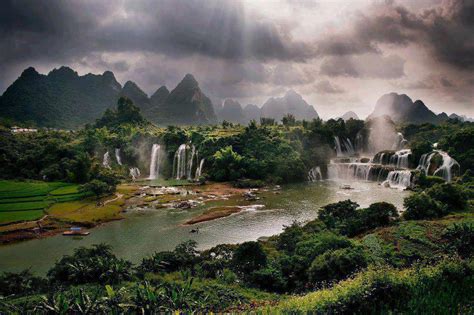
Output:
x,y
143,232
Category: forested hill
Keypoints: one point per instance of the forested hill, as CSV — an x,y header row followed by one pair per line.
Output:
x,y
64,99
61,99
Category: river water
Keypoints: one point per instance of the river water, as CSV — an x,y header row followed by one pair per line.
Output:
x,y
143,232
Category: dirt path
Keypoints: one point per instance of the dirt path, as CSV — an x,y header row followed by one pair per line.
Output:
x,y
118,196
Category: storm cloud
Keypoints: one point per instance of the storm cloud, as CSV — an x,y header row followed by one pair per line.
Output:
x,y
249,50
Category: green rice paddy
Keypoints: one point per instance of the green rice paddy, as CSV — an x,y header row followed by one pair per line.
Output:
x,y
27,200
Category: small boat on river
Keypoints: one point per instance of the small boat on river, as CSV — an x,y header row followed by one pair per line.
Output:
x,y
76,231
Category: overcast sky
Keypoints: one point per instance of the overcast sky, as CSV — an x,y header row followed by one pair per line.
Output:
x,y
340,55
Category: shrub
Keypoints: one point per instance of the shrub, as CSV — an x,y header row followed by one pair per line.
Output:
x,y
89,265
290,236
20,283
249,257
319,244
460,239
337,264
452,196
421,206
270,279
336,214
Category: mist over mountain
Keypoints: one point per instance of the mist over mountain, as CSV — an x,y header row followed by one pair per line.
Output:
x,y
252,112
348,115
186,105
231,111
290,103
401,108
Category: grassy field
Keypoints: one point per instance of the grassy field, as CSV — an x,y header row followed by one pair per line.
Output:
x,y
27,200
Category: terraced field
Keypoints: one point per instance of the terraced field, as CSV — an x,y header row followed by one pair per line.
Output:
x,y
27,200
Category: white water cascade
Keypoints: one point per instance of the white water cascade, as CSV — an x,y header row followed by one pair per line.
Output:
x,y
135,173
314,174
106,160
155,161
400,158
199,169
117,156
344,147
400,142
349,171
445,170
398,179
183,161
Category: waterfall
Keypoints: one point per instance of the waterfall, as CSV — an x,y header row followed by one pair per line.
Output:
x,y
350,171
344,147
400,142
199,169
425,162
445,170
117,156
134,173
179,162
190,162
106,160
400,158
338,146
398,179
155,161
314,174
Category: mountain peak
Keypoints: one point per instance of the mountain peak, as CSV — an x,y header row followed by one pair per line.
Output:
x,y
29,72
189,79
63,72
348,115
401,108
293,94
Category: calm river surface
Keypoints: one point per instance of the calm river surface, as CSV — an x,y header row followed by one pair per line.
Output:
x,y
146,231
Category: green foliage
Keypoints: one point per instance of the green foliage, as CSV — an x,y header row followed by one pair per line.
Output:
x,y
126,113
337,264
345,216
184,256
96,187
227,165
460,239
86,265
452,196
440,289
249,257
20,283
421,206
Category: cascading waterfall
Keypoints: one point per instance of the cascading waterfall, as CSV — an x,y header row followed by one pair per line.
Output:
x,y
199,169
135,173
445,170
400,142
117,156
400,158
155,161
183,161
349,171
314,174
344,147
398,179
190,162
106,160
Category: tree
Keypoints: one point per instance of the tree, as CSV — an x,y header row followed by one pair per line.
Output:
x,y
421,206
337,264
334,215
95,187
227,165
288,120
249,257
